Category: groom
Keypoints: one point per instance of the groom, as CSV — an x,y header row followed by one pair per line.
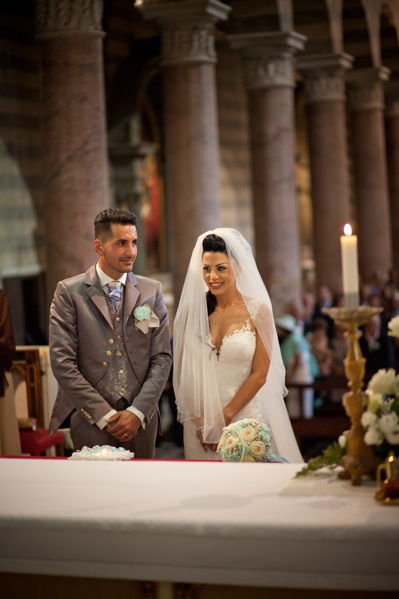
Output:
x,y
109,345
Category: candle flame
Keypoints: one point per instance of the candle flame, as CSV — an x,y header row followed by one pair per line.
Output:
x,y
348,229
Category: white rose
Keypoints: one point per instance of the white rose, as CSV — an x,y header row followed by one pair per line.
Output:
x,y
257,448
383,382
248,434
231,442
388,422
375,401
368,419
373,436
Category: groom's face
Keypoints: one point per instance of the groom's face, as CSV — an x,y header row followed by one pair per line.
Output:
x,y
118,251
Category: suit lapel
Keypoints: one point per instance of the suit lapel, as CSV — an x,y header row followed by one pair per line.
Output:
x,y
132,295
96,294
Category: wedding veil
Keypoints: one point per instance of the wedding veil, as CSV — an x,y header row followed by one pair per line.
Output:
x,y
194,377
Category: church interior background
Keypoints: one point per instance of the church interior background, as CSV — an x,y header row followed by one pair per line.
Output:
x,y
279,118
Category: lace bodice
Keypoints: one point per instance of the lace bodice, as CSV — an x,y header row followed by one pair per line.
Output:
x,y
233,362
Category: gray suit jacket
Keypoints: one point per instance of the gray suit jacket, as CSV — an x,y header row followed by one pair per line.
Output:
x,y
81,338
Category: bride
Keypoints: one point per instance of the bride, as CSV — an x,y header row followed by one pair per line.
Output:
x,y
227,360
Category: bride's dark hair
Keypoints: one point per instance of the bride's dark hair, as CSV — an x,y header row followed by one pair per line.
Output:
x,y
212,243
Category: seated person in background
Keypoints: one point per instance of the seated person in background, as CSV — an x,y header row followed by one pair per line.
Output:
x,y
297,359
376,346
319,345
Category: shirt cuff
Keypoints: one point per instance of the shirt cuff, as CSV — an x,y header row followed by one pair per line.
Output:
x,y
138,414
102,423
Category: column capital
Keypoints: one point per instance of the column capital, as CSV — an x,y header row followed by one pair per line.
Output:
x,y
187,28
273,42
324,76
56,18
265,72
365,88
267,58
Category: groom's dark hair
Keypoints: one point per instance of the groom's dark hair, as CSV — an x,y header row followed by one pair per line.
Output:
x,y
104,220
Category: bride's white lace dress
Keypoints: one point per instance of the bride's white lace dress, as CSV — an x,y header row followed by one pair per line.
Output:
x,y
233,362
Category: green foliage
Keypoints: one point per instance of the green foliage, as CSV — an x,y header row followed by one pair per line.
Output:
x,y
330,457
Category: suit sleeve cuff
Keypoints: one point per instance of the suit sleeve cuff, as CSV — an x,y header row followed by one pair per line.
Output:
x,y
102,423
138,414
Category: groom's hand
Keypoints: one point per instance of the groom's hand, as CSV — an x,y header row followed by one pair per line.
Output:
x,y
124,425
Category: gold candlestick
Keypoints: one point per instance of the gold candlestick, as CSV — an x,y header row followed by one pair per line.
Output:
x,y
359,458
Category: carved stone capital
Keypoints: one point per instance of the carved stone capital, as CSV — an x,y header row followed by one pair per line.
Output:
x,y
324,87
366,97
181,46
55,18
187,28
263,72
365,89
324,76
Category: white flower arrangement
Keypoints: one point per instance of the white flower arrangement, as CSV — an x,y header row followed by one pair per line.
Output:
x,y
247,440
380,420
145,318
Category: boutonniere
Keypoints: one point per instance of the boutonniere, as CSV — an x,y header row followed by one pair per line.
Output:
x,y
145,318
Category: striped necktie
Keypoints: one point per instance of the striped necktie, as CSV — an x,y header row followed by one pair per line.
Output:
x,y
115,293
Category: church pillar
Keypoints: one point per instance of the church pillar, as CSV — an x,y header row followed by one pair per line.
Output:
x,y
188,61
324,88
392,145
269,80
74,135
366,103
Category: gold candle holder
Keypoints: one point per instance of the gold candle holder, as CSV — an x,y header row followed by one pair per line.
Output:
x,y
359,458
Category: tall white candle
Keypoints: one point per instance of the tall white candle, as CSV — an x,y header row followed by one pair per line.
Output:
x,y
350,274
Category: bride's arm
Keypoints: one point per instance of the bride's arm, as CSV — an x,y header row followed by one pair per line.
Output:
x,y
250,387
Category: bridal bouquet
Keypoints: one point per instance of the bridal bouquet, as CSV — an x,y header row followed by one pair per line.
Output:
x,y
247,440
380,420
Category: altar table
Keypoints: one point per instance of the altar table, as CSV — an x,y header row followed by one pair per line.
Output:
x,y
211,523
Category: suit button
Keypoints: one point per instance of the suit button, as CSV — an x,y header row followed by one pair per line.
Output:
x,y
111,341
105,363
109,353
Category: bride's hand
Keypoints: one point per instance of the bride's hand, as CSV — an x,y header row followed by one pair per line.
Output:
x,y
227,417
211,446
206,446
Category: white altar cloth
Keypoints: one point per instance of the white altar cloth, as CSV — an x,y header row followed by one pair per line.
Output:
x,y
198,522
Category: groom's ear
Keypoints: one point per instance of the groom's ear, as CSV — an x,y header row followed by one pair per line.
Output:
x,y
98,247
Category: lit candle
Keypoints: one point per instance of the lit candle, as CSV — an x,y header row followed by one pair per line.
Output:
x,y
350,275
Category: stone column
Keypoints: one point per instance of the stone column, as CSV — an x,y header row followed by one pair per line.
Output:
x,y
190,123
74,134
269,80
324,88
366,103
392,144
